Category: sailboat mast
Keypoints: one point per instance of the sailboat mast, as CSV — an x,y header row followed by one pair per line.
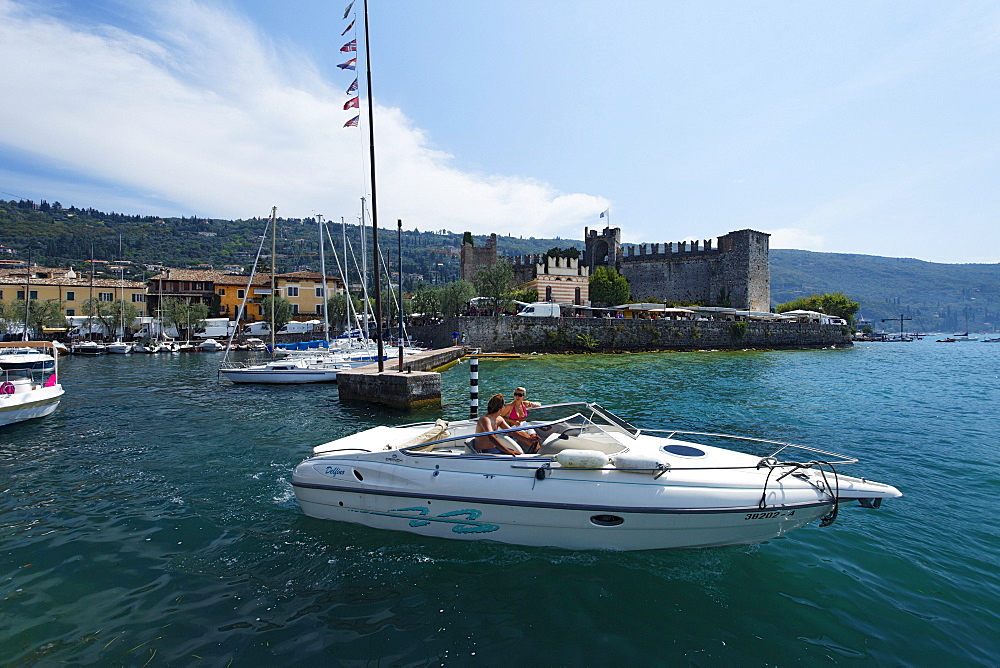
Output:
x,y
371,150
326,297
274,244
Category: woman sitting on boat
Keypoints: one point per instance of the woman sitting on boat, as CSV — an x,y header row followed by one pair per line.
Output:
x,y
493,444
516,411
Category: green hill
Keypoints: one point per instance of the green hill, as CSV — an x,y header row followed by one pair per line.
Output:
x,y
938,297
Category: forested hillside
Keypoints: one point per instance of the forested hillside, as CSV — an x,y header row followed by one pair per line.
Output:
x,y
938,297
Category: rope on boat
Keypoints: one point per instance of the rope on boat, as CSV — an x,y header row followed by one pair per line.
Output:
x,y
834,491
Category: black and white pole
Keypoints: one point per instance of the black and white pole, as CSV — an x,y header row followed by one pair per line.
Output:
x,y
473,387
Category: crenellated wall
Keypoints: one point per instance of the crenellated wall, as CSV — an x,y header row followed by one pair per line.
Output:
x,y
551,335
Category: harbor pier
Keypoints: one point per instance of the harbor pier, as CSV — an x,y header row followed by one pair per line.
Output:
x,y
417,386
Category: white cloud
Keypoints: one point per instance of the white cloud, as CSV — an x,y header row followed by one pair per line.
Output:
x,y
206,116
791,237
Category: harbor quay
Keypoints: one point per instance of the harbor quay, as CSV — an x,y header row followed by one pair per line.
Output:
x,y
576,335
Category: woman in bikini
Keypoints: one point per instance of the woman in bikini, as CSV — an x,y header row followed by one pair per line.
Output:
x,y
493,421
516,411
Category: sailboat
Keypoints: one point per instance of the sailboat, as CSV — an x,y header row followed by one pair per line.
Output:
x,y
119,347
289,371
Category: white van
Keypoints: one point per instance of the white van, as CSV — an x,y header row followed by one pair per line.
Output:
x,y
257,328
540,310
297,327
215,328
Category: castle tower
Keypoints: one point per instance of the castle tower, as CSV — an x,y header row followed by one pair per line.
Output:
x,y
746,269
474,259
604,250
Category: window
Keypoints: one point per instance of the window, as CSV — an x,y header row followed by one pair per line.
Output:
x,y
33,294
548,293
319,308
20,294
576,298
138,298
319,290
240,294
70,296
295,309
106,296
222,292
1,294
70,311
292,291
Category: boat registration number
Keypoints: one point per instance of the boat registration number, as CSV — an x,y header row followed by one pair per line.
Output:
x,y
769,515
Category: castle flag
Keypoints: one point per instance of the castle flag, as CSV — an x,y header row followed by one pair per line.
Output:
x,y
353,102
349,65
605,214
353,123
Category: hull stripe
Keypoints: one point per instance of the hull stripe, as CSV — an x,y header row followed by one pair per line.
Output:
x,y
557,506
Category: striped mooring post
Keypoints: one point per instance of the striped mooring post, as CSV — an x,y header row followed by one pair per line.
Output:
x,y
473,387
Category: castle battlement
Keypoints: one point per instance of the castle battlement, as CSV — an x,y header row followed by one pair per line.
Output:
x,y
647,252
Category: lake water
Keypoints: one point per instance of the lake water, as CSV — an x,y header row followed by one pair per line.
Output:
x,y
150,521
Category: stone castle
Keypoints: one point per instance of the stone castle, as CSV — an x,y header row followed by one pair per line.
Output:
x,y
734,272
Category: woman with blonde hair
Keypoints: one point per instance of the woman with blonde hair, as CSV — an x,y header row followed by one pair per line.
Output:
x,y
492,444
516,411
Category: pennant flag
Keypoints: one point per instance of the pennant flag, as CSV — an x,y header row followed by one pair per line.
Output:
x,y
352,123
353,102
348,10
350,46
354,87
347,28
349,65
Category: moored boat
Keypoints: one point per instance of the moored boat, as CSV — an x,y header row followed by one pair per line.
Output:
x,y
29,392
597,482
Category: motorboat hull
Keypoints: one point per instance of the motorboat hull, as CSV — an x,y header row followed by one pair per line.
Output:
x,y
270,377
586,527
42,404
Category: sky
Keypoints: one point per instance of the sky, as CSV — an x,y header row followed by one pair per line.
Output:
x,y
868,127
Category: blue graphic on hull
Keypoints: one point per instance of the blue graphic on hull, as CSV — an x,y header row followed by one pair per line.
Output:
x,y
467,525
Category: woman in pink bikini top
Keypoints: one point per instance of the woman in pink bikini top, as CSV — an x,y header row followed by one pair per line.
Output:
x,y
516,411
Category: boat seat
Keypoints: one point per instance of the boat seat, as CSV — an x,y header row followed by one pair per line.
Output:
x,y
556,443
470,445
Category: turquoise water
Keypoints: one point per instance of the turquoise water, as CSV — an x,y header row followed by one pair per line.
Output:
x,y
150,521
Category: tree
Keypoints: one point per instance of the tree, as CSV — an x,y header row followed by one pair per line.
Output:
x,y
834,304
467,239
125,314
48,313
454,296
95,308
526,295
282,311
426,301
337,308
182,315
495,284
608,287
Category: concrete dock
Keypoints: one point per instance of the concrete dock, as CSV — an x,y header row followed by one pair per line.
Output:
x,y
416,387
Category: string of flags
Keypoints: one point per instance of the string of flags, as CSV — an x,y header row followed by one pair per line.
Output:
x,y
351,47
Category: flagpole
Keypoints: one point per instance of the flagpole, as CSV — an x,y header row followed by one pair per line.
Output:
x,y
371,149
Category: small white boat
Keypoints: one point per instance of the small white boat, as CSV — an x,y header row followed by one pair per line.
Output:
x,y
26,357
210,346
963,336
285,371
596,483
119,348
88,348
29,392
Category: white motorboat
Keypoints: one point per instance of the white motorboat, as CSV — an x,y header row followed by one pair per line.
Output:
x,y
292,371
29,392
119,348
89,348
596,483
210,346
963,336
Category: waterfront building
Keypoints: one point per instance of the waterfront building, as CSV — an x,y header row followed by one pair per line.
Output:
x,y
67,287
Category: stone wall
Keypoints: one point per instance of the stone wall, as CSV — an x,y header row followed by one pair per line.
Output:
x,y
519,334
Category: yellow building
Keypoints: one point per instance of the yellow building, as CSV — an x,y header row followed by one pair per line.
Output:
x,y
68,287
304,289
